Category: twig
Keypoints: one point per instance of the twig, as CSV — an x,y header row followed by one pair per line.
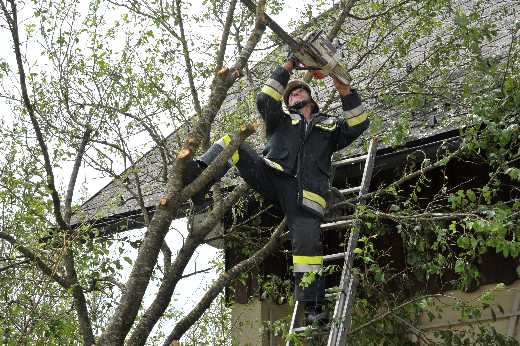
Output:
x,y
225,279
34,258
196,272
12,21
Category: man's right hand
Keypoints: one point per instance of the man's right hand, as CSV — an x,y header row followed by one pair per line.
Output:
x,y
291,61
289,65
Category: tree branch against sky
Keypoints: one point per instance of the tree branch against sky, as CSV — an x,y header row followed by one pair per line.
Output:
x,y
89,88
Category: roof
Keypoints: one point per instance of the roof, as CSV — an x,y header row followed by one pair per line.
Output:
x,y
116,203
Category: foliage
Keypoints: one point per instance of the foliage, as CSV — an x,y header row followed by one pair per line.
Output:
x,y
107,81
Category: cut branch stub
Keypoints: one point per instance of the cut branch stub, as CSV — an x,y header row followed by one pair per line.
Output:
x,y
192,141
248,129
223,72
163,201
238,73
184,154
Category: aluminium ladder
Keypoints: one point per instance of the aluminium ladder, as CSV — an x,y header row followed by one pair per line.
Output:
x,y
346,290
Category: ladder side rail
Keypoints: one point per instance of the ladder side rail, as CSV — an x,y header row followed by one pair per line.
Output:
x,y
347,313
365,185
339,307
369,167
352,243
293,320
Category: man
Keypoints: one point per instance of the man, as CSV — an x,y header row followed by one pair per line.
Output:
x,y
295,166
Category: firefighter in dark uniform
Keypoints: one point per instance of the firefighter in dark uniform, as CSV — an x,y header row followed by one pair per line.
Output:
x,y
295,167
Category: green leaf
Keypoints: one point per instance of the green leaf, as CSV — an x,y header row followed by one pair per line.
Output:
x,y
460,266
514,173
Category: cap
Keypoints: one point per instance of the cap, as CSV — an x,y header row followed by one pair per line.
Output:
x,y
295,84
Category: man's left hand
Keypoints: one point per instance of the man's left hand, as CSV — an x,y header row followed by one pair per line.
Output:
x,y
343,89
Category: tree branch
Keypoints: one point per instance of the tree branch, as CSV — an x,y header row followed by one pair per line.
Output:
x,y
225,279
187,59
163,297
127,309
12,20
167,256
196,272
34,258
74,174
221,53
404,179
80,303
393,310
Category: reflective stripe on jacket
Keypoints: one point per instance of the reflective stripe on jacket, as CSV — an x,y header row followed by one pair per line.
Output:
x,y
303,149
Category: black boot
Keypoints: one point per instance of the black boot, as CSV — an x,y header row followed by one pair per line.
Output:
x,y
192,170
195,167
316,314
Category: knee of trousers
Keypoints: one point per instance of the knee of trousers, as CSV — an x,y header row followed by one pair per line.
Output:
x,y
306,235
216,148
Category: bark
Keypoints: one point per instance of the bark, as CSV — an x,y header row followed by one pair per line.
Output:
x,y
167,287
12,21
44,267
225,279
74,175
221,53
80,303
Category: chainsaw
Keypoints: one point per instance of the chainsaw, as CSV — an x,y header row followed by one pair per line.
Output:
x,y
314,51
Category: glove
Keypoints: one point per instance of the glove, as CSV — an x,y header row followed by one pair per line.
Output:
x,y
292,57
318,74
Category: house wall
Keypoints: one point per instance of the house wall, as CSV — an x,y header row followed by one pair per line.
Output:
x,y
250,323
504,318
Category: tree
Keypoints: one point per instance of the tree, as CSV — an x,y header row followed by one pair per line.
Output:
x,y
92,85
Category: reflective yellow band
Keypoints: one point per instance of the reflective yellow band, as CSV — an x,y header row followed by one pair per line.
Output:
x,y
235,156
307,259
273,164
266,89
295,118
306,268
355,111
275,85
315,198
326,127
226,139
357,120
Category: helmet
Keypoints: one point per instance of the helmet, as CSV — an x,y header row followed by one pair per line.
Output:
x,y
295,84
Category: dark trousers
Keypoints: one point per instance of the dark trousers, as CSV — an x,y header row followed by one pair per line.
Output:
x,y
304,226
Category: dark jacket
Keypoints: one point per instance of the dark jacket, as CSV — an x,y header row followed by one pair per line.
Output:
x,y
302,149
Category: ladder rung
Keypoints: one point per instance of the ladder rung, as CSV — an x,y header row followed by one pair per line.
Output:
x,y
334,289
334,256
350,160
332,295
314,330
350,190
331,225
